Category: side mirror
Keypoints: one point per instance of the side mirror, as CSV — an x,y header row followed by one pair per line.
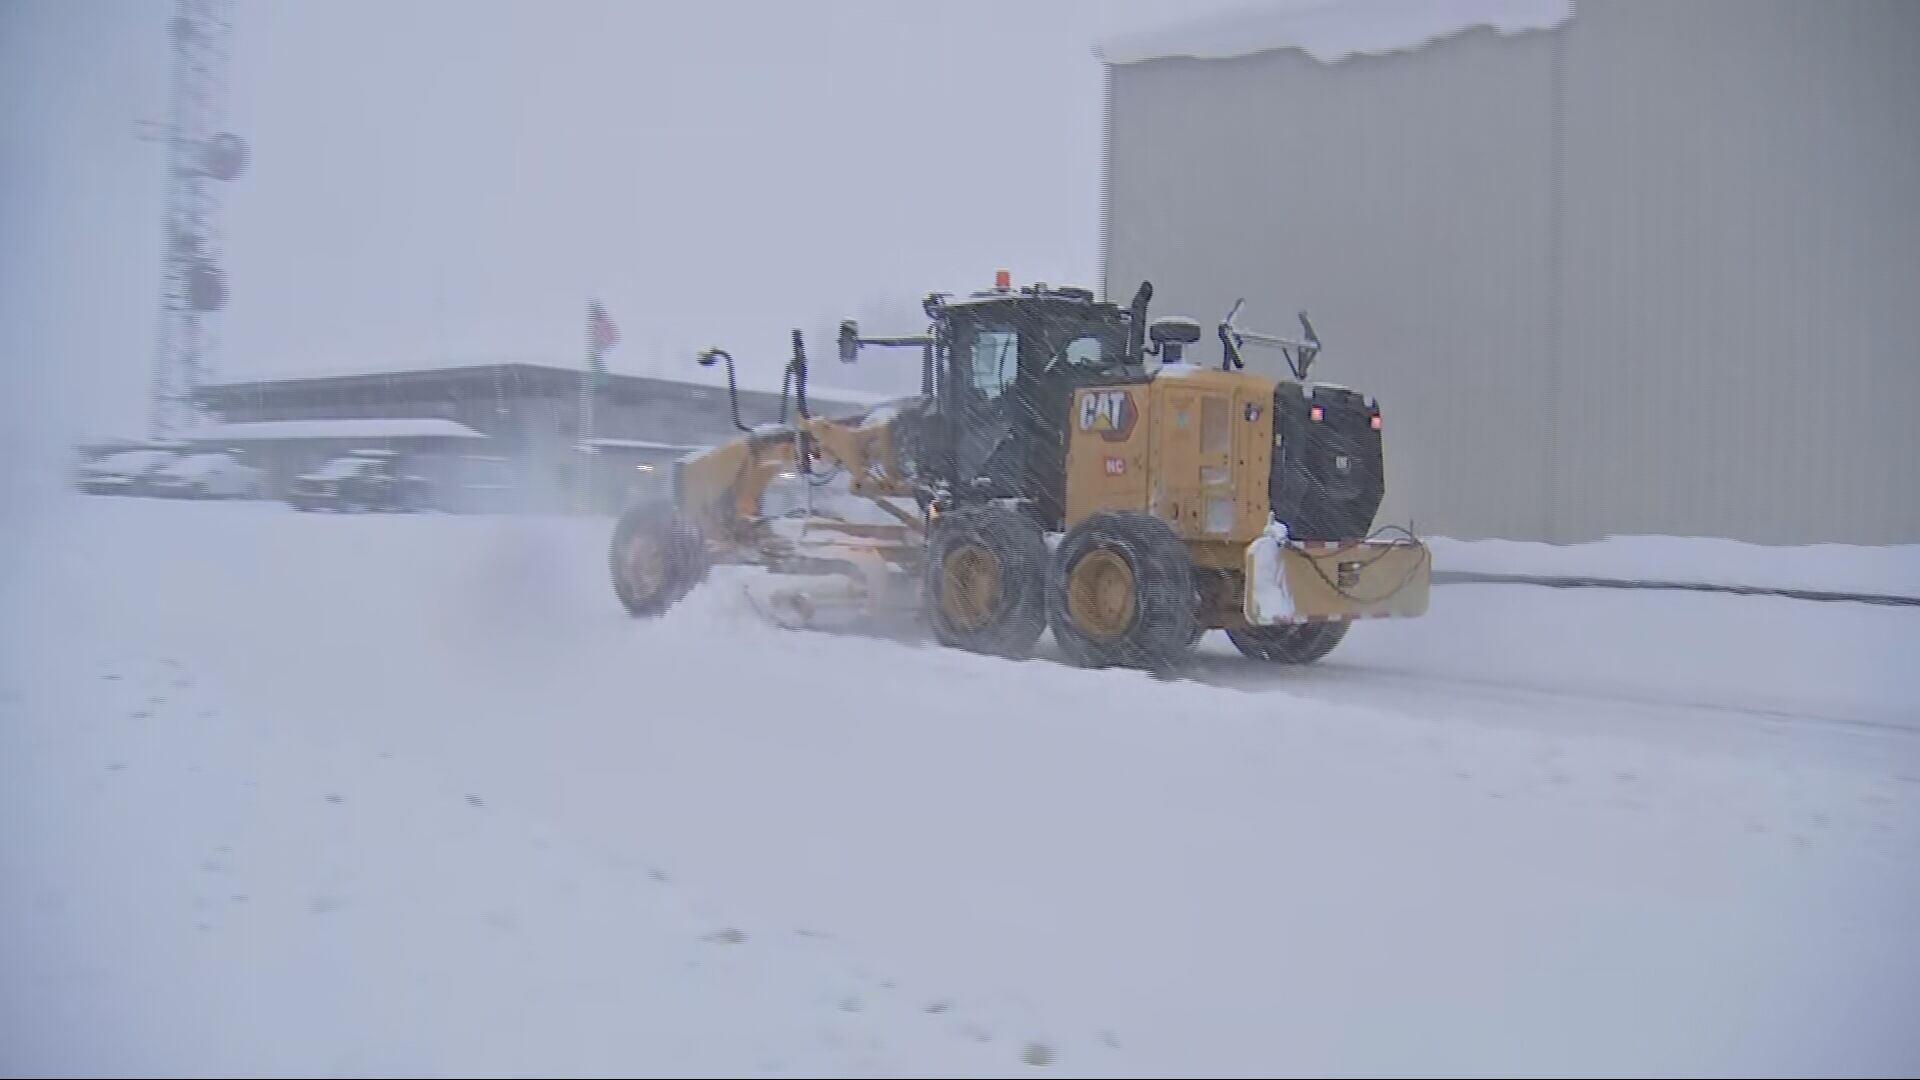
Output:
x,y
849,341
710,357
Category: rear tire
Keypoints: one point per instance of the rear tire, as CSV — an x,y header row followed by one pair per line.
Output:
x,y
1301,643
985,581
1120,594
655,558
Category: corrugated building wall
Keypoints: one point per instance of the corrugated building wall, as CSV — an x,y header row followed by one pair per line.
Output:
x,y
1655,270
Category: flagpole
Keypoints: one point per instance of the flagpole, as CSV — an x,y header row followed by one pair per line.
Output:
x,y
584,488
601,336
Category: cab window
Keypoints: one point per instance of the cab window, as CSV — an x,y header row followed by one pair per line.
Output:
x,y
1084,352
994,361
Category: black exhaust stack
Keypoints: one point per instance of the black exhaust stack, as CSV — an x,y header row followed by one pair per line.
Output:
x,y
1137,323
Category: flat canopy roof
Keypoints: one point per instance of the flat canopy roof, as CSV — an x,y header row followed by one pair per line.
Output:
x,y
759,379
381,427
643,444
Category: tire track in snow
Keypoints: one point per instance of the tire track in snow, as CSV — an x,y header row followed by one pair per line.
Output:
x,y
1357,678
273,862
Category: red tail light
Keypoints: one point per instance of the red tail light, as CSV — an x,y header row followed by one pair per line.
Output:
x,y
1003,279
1376,422
1318,414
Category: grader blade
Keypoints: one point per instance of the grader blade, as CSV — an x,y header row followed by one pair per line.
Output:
x,y
810,602
842,586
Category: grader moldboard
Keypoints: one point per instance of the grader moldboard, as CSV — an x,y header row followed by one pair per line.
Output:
x,y
1045,478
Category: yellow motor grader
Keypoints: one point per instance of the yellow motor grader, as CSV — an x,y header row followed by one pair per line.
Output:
x,y
1045,478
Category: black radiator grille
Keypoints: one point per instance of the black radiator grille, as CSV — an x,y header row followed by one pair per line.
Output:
x,y
1328,474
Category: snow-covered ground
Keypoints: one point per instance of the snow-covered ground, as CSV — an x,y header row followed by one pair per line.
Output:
x,y
1891,570
367,795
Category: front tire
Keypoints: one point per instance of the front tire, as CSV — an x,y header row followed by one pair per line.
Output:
x,y
985,581
1120,593
655,558
1300,643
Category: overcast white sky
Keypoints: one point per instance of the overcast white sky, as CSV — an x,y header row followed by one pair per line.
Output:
x,y
454,177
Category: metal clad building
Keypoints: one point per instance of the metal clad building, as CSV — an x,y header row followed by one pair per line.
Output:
x,y
1637,268
520,419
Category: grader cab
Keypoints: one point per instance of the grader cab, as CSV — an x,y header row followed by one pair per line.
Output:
x,y
1047,478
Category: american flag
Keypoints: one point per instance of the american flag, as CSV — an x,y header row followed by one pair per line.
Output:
x,y
601,334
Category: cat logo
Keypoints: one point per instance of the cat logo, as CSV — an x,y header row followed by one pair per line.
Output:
x,y
1110,413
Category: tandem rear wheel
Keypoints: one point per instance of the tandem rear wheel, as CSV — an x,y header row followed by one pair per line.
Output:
x,y
1120,593
985,581
1300,643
